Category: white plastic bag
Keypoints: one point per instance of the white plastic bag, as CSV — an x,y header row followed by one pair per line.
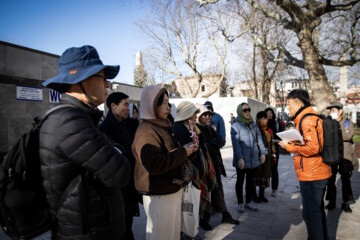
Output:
x,y
190,210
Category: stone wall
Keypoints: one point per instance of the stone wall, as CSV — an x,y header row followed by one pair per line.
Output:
x,y
21,66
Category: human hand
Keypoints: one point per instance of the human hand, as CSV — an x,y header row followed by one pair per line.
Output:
x,y
241,163
195,146
262,159
190,148
283,144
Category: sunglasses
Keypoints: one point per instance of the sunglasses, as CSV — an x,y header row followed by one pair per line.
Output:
x,y
206,115
246,110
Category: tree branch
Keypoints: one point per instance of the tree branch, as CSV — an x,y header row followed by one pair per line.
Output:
x,y
274,15
205,2
338,63
327,8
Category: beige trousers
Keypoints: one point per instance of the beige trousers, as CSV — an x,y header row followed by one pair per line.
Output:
x,y
163,216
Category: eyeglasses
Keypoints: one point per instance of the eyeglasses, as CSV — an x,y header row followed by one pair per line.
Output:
x,y
246,110
101,76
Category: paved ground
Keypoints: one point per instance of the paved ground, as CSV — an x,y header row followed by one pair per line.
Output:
x,y
280,218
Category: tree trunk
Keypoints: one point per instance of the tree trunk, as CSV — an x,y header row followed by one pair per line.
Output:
x,y
266,81
321,91
195,91
254,73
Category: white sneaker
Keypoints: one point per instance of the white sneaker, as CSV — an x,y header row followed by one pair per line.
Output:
x,y
273,194
241,208
251,207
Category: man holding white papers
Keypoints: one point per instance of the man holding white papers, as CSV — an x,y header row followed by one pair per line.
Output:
x,y
311,171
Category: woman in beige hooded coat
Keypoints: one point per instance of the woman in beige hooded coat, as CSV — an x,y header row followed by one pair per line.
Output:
x,y
159,163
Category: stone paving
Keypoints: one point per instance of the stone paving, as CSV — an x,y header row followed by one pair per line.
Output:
x,y
280,218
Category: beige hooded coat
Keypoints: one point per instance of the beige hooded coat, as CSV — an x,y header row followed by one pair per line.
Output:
x,y
158,155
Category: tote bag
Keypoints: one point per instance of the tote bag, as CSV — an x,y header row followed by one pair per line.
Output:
x,y
190,210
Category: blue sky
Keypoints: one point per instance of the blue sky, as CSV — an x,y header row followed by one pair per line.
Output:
x,y
53,26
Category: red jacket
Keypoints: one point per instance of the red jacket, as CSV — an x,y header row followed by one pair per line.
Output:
x,y
309,165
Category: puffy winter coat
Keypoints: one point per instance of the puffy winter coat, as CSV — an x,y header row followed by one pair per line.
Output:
x,y
309,165
245,144
80,163
123,133
220,126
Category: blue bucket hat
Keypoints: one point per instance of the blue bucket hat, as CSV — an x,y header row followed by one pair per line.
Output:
x,y
78,64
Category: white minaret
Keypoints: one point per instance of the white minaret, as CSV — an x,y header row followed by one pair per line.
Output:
x,y
138,61
343,83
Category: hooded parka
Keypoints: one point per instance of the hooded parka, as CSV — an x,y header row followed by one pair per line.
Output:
x,y
158,155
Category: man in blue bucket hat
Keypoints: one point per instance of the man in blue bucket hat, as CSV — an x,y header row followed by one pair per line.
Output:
x,y
80,166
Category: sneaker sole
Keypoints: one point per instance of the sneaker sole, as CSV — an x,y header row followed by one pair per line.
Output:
x,y
252,209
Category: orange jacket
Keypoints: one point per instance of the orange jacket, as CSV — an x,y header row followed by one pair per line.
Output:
x,y
309,165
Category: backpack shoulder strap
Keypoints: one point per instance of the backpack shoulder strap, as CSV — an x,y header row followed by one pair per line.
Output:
x,y
38,124
301,120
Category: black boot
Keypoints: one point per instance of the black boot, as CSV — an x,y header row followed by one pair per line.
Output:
x,y
331,205
346,207
226,218
255,198
205,225
262,195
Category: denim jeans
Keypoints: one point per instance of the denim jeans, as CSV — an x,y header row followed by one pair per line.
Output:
x,y
312,194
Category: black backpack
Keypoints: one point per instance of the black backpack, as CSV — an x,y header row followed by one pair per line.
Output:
x,y
24,211
333,142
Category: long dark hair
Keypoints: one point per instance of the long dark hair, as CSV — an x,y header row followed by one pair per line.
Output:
x,y
272,122
161,99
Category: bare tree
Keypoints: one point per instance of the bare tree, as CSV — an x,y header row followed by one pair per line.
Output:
x,y
304,19
153,62
178,33
354,75
262,33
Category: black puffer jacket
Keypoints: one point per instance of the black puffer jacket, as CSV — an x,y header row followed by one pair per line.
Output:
x,y
123,133
71,144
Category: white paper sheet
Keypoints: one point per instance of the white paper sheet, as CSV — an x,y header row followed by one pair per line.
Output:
x,y
290,135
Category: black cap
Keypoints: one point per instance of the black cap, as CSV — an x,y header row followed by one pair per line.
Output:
x,y
208,104
335,105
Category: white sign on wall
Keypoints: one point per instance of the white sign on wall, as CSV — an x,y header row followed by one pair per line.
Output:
x,y
28,93
54,96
